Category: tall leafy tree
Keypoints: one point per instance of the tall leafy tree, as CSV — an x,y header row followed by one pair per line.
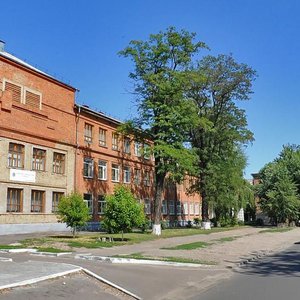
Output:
x,y
165,115
278,190
216,84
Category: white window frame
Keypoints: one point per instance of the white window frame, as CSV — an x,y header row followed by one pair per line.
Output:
x,y
89,162
137,149
102,137
102,165
115,173
147,206
164,207
147,181
102,204
185,208
172,207
88,202
191,208
126,174
147,154
197,208
115,141
126,145
14,83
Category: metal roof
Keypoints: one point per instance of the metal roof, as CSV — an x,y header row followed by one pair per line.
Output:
x,y
27,65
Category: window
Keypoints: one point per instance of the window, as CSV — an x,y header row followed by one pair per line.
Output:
x,y
55,199
147,178
185,208
164,209
38,159
126,174
33,99
101,204
178,208
16,91
115,173
16,156
197,208
88,199
137,176
137,149
102,170
37,201
171,207
191,208
147,150
58,163
147,207
126,145
115,141
88,167
88,133
102,137
14,200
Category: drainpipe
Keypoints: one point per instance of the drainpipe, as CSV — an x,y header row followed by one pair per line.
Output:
x,y
77,116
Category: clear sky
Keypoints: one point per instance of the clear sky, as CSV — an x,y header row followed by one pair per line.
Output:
x,y
78,41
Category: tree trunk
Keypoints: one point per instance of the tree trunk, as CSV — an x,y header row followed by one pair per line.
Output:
x,y
159,187
74,231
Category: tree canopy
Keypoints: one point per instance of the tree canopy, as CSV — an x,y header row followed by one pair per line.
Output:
x,y
165,114
187,108
279,186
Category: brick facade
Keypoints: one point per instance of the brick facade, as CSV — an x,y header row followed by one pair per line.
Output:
x,y
41,128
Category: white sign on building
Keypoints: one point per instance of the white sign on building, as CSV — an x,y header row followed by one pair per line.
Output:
x,y
22,175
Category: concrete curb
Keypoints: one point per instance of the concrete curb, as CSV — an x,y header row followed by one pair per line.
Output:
x,y
88,272
119,260
51,254
4,259
23,250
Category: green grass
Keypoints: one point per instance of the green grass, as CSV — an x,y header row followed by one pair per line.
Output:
x,y
190,246
8,247
276,230
168,259
50,250
91,240
227,239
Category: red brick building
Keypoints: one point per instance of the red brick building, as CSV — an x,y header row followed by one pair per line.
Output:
x,y
49,146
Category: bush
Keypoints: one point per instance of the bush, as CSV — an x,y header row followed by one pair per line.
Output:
x,y
122,211
73,211
259,222
163,225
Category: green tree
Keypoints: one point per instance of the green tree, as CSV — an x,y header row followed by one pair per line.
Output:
x,y
216,84
165,114
278,190
73,211
122,211
227,190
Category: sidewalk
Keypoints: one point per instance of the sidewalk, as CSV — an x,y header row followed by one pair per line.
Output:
x,y
247,242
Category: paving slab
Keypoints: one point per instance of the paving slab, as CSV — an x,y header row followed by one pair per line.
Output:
x,y
14,274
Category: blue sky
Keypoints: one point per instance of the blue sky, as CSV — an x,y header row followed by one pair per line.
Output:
x,y
78,41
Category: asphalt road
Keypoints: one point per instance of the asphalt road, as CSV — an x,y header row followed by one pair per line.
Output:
x,y
273,278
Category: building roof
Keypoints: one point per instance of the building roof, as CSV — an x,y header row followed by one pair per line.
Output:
x,y
28,66
97,114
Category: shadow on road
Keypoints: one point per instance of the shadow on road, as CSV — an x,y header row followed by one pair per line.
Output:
x,y
286,263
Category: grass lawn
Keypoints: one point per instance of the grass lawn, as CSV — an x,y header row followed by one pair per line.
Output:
x,y
275,230
190,246
94,240
168,258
